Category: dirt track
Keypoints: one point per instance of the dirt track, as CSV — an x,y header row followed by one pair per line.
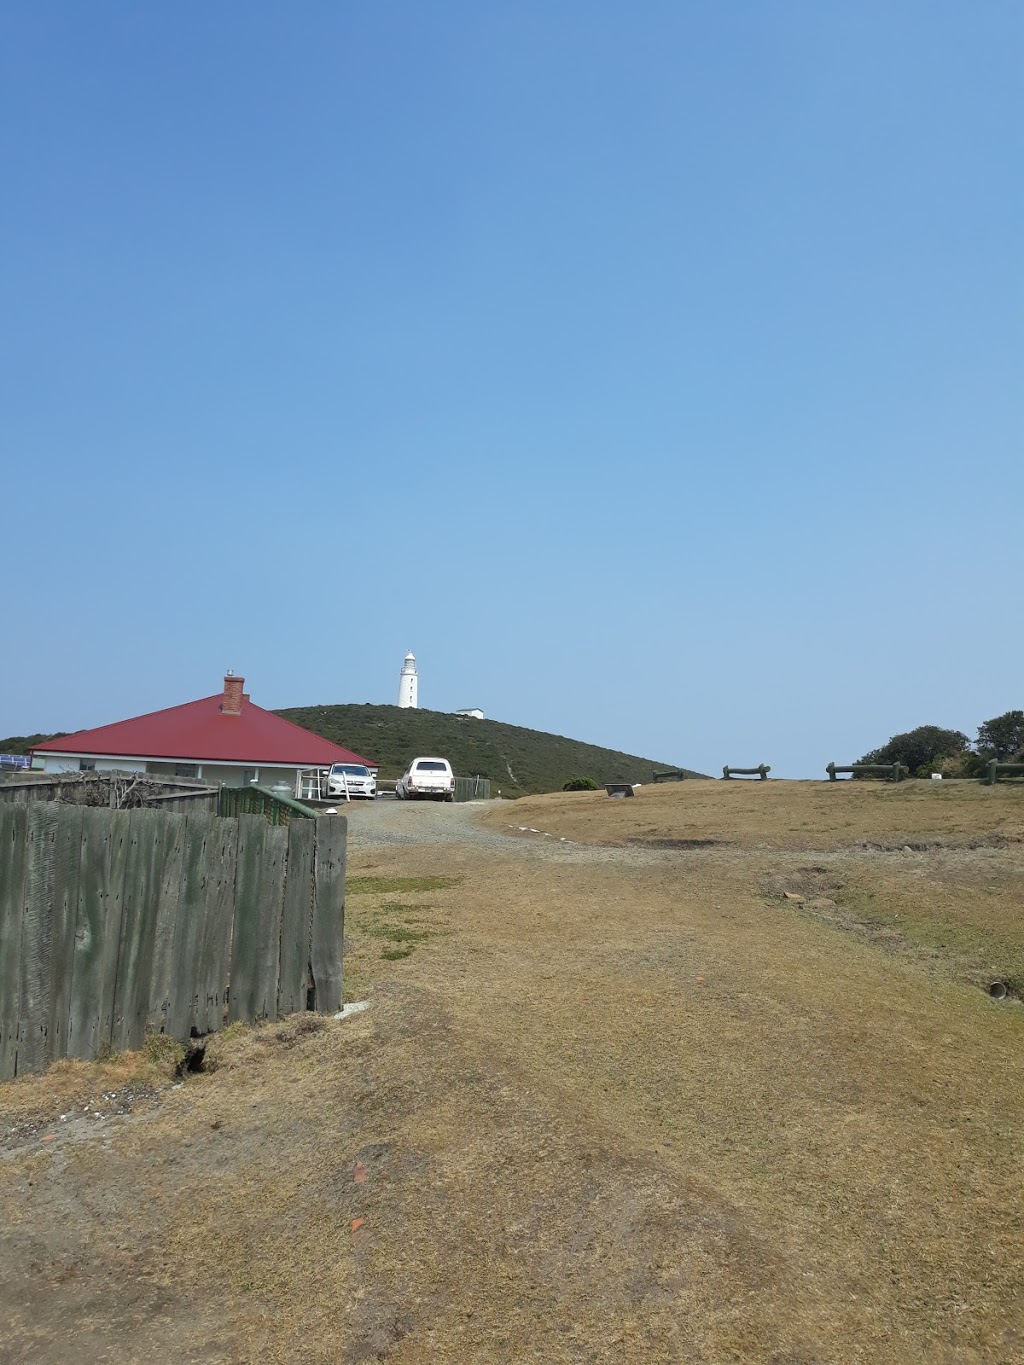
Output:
x,y
606,1105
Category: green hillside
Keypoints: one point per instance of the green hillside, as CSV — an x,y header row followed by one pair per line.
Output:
x,y
517,761
20,744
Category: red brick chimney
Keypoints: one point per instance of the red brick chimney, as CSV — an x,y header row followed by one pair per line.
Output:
x,y
233,695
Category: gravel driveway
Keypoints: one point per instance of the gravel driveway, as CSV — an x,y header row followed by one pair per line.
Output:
x,y
386,823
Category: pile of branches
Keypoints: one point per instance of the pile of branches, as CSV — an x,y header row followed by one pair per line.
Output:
x,y
116,791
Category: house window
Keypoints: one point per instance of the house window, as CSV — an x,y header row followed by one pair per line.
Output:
x,y
250,775
86,765
186,770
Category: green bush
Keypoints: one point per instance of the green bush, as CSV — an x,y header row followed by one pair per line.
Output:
x,y
920,749
580,784
954,765
1002,737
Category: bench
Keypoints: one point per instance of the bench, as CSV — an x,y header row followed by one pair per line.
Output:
x,y
994,770
890,772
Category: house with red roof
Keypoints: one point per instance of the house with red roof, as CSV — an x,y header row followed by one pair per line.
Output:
x,y
220,739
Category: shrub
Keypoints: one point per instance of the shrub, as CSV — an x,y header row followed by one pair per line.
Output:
x,y
580,784
954,765
920,749
1002,737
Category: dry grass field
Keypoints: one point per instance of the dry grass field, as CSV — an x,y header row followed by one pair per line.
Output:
x,y
783,815
637,1097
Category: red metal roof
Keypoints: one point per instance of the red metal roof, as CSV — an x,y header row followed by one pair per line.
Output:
x,y
199,732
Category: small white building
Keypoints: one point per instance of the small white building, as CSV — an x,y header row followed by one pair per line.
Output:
x,y
473,712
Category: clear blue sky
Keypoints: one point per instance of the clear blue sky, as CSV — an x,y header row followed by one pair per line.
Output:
x,y
653,371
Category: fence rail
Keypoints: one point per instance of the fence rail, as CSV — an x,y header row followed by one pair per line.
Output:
x,y
253,800
994,770
94,789
892,772
115,922
762,770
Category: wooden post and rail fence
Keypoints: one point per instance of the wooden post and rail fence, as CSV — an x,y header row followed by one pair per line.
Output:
x,y
892,772
115,922
994,770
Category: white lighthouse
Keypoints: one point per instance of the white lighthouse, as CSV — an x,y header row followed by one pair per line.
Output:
x,y
408,683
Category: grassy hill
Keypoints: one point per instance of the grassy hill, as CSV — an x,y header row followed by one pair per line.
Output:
x,y
517,761
20,744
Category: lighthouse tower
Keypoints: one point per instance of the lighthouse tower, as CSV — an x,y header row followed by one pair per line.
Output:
x,y
408,683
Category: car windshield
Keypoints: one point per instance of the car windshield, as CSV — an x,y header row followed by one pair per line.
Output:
x,y
431,766
352,769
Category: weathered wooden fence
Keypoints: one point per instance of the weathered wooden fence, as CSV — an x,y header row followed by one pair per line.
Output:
x,y
97,789
115,922
472,789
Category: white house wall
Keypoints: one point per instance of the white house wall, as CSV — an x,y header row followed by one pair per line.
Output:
x,y
72,763
212,774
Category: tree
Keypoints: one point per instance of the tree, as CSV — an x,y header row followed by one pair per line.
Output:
x,y
1003,736
20,744
920,749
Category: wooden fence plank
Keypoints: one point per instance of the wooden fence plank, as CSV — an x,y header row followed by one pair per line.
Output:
x,y
167,896
138,922
67,868
188,934
90,936
245,948
214,968
296,918
114,880
328,929
37,939
13,871
271,907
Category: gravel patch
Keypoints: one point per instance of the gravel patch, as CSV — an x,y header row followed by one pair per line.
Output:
x,y
403,824
390,824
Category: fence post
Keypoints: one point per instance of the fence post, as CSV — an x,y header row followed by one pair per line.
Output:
x,y
296,917
168,891
67,872
13,871
328,928
211,982
37,939
992,767
138,929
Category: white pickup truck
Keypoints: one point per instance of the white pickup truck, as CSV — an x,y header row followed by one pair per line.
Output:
x,y
427,777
